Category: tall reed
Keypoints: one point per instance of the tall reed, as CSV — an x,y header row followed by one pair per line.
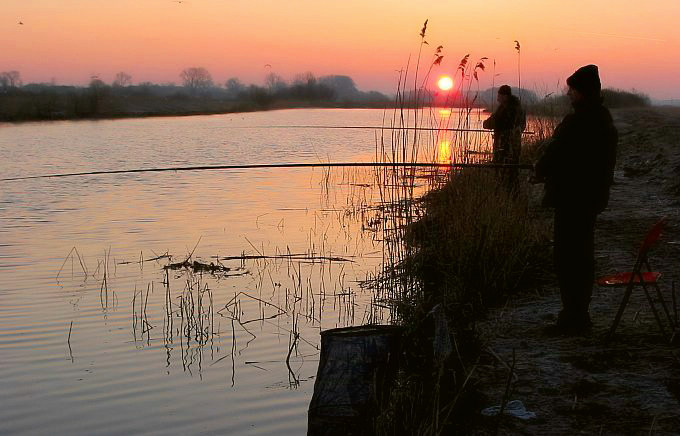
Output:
x,y
469,243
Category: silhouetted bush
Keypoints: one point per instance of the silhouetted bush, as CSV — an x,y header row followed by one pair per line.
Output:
x,y
559,105
616,98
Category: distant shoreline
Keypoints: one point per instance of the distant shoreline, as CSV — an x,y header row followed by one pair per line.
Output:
x,y
48,102
184,113
237,109
39,102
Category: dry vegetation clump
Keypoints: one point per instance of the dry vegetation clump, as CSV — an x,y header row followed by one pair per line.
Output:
x,y
475,241
556,104
478,242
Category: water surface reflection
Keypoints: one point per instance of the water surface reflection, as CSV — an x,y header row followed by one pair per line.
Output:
x,y
107,324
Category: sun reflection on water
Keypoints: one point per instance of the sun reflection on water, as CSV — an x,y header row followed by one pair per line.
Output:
x,y
444,152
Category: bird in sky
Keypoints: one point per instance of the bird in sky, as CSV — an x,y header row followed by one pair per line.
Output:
x,y
21,22
267,65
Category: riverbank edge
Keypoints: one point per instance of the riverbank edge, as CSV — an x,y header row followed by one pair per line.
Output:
x,y
480,239
478,375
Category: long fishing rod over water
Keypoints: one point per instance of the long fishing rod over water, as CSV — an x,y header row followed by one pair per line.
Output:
x,y
429,129
280,165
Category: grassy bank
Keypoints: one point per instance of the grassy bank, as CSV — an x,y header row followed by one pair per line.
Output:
x,y
468,244
478,240
477,243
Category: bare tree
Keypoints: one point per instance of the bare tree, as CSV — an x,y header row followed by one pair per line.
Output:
x,y
10,79
234,86
274,82
305,79
196,78
97,83
98,91
122,79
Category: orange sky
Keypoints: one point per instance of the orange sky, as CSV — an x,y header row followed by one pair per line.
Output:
x,y
635,43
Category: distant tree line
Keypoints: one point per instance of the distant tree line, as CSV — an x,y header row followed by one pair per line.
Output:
x,y
197,94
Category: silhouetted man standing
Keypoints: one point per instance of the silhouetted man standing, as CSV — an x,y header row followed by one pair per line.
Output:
x,y
508,122
577,168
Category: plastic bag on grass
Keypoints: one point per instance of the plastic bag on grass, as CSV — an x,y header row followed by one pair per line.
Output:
x,y
513,408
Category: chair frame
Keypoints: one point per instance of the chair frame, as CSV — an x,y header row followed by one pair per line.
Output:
x,y
637,278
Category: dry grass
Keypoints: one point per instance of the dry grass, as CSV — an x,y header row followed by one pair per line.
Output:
x,y
479,241
469,243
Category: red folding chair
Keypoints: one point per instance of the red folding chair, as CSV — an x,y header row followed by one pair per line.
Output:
x,y
644,278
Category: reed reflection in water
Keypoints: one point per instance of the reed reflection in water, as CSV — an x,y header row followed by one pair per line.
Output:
x,y
101,315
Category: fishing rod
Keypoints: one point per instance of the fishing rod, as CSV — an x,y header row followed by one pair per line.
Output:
x,y
431,129
280,165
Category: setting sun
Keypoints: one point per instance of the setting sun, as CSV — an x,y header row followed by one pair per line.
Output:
x,y
445,83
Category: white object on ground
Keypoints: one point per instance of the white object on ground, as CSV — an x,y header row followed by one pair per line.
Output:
x,y
513,408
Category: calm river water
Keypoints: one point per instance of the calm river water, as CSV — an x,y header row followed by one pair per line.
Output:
x,y
97,337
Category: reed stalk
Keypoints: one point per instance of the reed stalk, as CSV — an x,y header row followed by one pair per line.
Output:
x,y
466,245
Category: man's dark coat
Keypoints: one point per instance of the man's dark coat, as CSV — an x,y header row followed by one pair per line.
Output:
x,y
578,163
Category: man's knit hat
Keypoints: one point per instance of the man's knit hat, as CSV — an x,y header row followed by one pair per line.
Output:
x,y
505,90
586,80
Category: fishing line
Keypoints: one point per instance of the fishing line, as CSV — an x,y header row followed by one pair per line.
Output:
x,y
281,165
430,129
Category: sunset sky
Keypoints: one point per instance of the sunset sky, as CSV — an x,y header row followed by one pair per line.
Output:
x,y
635,44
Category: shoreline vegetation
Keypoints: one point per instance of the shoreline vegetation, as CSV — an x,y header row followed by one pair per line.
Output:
x,y
476,244
479,253
471,245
